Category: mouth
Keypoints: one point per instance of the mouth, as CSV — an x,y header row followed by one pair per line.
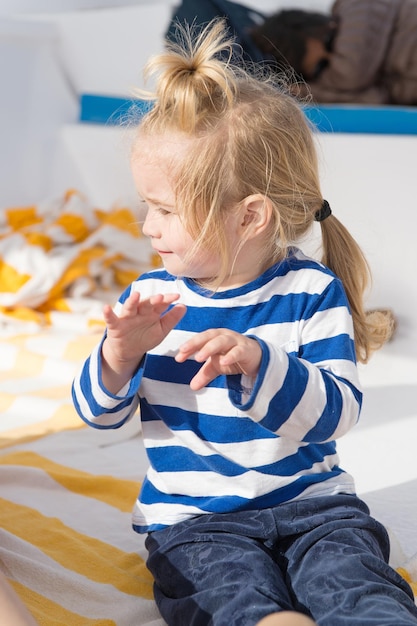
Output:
x,y
162,252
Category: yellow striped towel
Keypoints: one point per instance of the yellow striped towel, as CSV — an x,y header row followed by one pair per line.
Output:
x,y
66,492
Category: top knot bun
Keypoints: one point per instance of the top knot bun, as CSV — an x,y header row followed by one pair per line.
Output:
x,y
194,77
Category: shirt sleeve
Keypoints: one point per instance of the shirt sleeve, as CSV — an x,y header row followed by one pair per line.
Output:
x,y
311,394
95,404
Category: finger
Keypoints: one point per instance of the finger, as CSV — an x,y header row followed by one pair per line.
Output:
x,y
166,299
218,346
196,343
130,305
165,304
172,317
157,304
232,356
109,315
169,298
204,376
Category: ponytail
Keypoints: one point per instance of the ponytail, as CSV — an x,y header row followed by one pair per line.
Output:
x,y
344,257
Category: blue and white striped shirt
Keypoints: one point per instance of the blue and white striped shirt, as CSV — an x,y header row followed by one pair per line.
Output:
x,y
239,443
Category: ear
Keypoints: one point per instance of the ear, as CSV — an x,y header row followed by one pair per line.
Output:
x,y
255,215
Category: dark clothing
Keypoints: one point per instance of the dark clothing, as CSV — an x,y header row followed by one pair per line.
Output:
x,y
240,20
322,556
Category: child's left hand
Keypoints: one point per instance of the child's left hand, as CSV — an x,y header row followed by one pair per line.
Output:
x,y
223,351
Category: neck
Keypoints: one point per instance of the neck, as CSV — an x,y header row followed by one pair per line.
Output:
x,y
236,279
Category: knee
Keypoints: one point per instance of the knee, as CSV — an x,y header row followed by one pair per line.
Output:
x,y
286,618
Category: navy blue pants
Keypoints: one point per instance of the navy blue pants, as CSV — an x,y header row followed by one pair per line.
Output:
x,y
325,557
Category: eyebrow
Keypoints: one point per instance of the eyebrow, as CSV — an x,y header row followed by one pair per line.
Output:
x,y
155,201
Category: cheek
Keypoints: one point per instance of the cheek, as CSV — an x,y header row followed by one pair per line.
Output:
x,y
179,236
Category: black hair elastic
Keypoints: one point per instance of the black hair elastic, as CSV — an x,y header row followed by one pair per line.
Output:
x,y
323,212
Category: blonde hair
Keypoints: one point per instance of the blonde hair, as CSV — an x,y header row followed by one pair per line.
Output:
x,y
249,137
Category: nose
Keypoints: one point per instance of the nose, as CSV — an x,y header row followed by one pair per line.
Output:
x,y
150,225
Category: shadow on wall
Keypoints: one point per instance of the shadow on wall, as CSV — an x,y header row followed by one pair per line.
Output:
x,y
382,405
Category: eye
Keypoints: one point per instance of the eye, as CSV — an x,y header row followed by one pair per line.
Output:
x,y
163,211
159,209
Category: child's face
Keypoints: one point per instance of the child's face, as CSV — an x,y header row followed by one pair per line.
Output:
x,y
151,165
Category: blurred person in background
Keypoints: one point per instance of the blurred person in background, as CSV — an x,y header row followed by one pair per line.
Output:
x,y
363,51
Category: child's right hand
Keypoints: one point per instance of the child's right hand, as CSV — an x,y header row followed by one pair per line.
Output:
x,y
139,327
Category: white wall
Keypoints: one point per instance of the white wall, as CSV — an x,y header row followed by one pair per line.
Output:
x,y
46,62
13,7
22,7
36,99
370,182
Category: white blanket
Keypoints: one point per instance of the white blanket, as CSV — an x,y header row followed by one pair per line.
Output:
x,y
57,256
